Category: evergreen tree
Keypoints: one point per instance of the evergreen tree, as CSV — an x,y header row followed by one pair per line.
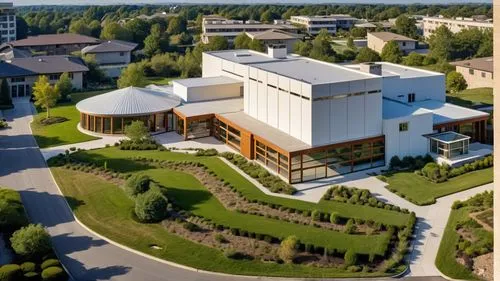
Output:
x,y
5,98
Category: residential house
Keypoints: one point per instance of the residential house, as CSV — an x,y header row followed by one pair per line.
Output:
x,y
111,56
477,72
377,41
52,44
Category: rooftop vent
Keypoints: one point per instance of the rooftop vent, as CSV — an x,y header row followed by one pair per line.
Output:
x,y
277,51
240,55
372,68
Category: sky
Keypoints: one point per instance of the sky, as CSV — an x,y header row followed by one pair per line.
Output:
x,y
105,2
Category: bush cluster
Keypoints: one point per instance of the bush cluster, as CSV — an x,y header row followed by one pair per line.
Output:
x,y
409,162
3,124
151,206
12,214
482,200
440,173
137,184
357,196
271,182
145,144
207,152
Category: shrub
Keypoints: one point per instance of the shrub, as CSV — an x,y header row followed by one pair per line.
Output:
x,y
233,254
334,218
151,206
137,184
316,215
49,263
54,273
28,276
31,241
394,163
350,258
220,238
350,227
11,272
28,267
288,249
190,226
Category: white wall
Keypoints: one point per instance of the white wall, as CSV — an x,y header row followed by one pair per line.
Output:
x,y
205,93
430,87
112,58
411,142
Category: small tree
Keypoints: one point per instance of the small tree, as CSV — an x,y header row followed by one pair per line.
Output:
x,y
350,258
133,75
31,241
350,43
455,82
367,55
288,249
137,184
64,86
414,59
257,45
151,206
242,41
45,94
391,52
136,131
5,98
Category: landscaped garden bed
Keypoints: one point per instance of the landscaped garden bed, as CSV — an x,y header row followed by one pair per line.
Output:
x,y
212,213
423,183
467,246
30,244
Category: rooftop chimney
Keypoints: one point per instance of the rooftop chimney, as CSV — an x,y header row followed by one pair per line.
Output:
x,y
371,67
277,51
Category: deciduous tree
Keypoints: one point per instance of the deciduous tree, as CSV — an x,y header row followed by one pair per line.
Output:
x,y
367,55
45,95
64,85
391,52
133,75
455,82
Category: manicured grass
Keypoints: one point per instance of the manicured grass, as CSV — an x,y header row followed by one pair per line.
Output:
x,y
423,192
119,160
445,260
472,97
160,80
65,132
106,209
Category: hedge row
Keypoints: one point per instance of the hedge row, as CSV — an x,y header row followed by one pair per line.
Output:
x,y
146,144
440,173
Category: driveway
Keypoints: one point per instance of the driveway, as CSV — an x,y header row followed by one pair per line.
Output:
x,y
85,255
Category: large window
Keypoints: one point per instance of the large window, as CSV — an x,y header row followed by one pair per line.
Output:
x,y
274,160
198,129
227,134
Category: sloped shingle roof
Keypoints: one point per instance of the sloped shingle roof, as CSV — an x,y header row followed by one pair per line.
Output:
x,y
41,65
110,46
55,39
389,36
484,64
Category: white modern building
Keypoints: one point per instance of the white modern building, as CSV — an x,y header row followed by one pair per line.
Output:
x,y
7,22
229,29
313,24
305,119
430,24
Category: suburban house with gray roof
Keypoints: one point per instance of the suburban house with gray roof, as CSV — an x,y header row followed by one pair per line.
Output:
x,y
22,73
111,56
276,37
477,72
52,44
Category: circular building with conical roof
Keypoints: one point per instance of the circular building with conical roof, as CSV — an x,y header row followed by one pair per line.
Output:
x,y
109,113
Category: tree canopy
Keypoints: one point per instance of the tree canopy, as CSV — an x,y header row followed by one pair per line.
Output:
x,y
45,95
406,26
367,55
455,82
133,75
391,52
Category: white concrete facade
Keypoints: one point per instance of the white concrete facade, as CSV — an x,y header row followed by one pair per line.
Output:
x,y
23,86
430,24
8,25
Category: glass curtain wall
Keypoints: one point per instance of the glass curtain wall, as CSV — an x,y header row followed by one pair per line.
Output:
x,y
116,125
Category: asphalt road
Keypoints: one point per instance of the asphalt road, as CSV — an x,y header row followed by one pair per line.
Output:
x,y
85,256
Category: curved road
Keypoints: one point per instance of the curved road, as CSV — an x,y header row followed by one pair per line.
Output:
x,y
86,256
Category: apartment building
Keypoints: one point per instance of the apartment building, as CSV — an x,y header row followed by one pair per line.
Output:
x,y
430,24
313,24
377,41
477,72
305,119
7,22
111,56
229,29
22,73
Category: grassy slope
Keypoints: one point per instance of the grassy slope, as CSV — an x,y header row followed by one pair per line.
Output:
x,y
118,160
65,132
471,97
445,260
422,191
106,209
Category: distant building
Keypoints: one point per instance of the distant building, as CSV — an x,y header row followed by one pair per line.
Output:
x,y
52,44
159,15
7,22
229,29
22,73
477,72
430,24
275,37
377,41
111,56
313,24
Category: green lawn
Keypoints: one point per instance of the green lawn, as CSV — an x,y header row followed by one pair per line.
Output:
x,y
160,80
119,160
423,192
106,209
472,97
445,260
65,132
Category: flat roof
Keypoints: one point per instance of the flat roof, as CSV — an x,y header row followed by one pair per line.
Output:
x,y
389,36
392,109
207,81
210,107
390,69
446,112
265,131
295,67
484,64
